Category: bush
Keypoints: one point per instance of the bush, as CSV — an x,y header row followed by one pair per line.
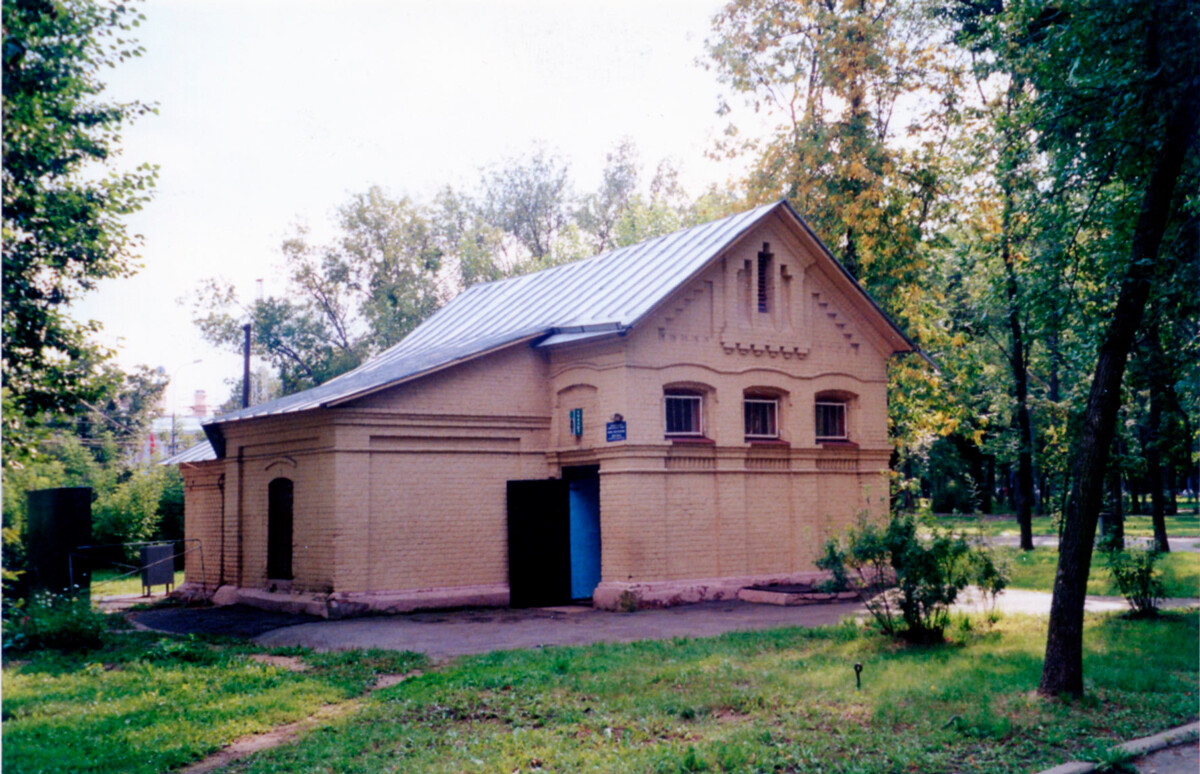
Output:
x,y
54,621
129,512
908,584
1136,577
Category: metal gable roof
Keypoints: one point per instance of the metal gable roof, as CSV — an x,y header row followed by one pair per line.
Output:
x,y
606,293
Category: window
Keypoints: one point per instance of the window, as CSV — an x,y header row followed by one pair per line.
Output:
x,y
831,420
761,414
764,278
683,414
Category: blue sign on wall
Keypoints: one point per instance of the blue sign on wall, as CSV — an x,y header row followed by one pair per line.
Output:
x,y
577,422
614,431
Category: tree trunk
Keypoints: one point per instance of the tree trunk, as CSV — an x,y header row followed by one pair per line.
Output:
x,y
989,483
1023,497
1114,527
1154,461
1062,671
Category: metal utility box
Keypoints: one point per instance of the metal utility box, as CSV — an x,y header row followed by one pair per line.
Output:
x,y
60,520
158,567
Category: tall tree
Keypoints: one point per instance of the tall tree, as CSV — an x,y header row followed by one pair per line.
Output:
x,y
1119,89
833,75
63,227
530,198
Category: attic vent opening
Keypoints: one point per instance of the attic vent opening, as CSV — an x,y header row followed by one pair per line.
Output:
x,y
764,278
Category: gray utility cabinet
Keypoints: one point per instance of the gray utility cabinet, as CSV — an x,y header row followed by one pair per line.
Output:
x,y
158,567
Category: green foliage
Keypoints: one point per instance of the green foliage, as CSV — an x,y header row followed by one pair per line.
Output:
x,y
396,260
1136,577
63,226
53,621
129,512
907,581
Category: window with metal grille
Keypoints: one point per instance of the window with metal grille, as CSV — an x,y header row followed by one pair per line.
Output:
x,y
761,417
831,421
683,414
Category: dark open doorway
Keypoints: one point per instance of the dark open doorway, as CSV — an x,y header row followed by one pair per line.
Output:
x,y
279,529
554,538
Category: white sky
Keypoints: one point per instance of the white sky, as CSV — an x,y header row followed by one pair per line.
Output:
x,y
275,112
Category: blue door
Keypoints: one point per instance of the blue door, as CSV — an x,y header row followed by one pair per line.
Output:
x,y
584,502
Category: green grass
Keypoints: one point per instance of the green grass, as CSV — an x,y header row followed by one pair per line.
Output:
x,y
1180,525
1035,570
763,701
148,703
112,583
768,701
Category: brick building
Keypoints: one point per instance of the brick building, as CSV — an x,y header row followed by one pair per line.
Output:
x,y
667,422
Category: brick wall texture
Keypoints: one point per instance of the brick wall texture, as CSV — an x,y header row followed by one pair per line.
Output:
x,y
404,490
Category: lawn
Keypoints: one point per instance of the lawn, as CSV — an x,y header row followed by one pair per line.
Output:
x,y
1035,570
148,702
768,701
771,701
1180,525
112,583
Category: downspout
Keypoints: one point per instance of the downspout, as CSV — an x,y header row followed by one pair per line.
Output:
x,y
221,489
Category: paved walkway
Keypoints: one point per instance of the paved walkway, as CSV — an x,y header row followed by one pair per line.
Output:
x,y
445,635
1188,545
1184,759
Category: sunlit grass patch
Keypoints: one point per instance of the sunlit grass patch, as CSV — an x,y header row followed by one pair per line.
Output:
x,y
147,703
767,701
1035,570
113,583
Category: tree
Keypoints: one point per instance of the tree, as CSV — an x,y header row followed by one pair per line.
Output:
x,y
833,75
62,223
345,300
530,198
1119,92
601,212
396,260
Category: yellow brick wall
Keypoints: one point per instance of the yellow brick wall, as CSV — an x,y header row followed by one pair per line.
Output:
x,y
405,489
674,512
202,492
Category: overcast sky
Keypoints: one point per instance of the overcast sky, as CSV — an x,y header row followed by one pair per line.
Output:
x,y
273,113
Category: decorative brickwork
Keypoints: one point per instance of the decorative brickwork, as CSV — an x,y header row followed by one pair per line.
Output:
x,y
399,496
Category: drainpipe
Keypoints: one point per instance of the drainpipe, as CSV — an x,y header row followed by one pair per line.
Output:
x,y
246,367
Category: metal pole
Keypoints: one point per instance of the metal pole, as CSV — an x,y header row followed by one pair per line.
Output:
x,y
246,368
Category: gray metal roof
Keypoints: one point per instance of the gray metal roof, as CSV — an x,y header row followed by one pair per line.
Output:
x,y
601,295
607,292
199,452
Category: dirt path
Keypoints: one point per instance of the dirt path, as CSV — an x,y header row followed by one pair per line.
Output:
x,y
249,745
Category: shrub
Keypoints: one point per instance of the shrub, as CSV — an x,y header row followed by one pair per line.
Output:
x,y
908,583
54,621
1136,577
129,512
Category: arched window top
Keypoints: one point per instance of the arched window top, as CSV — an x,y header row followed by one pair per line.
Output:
x,y
688,388
765,392
836,396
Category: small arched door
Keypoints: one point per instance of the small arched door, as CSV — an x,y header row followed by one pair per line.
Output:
x,y
279,529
